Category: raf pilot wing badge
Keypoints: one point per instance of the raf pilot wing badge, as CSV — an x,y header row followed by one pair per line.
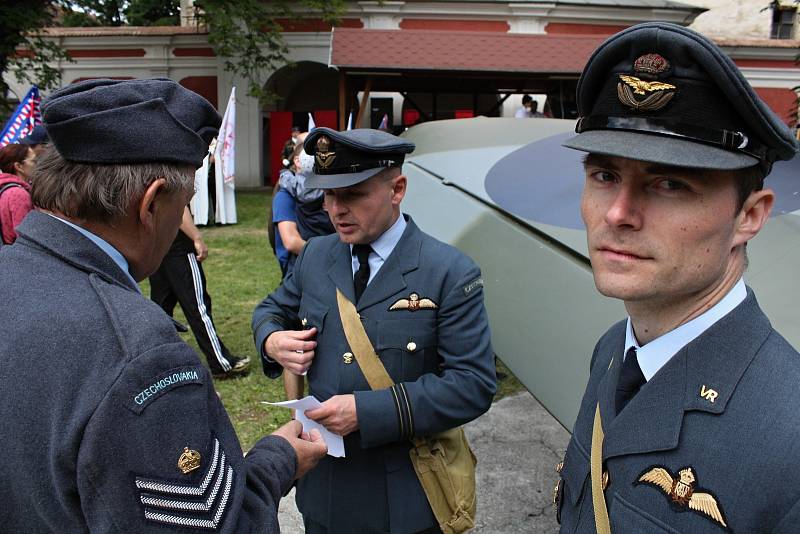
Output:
x,y
682,492
414,303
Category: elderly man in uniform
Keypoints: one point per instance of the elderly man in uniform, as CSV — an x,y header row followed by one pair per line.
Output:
x,y
421,304
110,421
689,422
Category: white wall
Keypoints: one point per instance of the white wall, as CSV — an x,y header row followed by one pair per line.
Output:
x,y
733,19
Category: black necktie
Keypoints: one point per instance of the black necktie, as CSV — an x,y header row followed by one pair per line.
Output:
x,y
361,277
630,379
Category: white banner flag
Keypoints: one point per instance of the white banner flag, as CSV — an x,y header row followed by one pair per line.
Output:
x,y
199,202
224,164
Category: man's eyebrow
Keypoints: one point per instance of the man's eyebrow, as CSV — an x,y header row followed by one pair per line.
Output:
x,y
598,160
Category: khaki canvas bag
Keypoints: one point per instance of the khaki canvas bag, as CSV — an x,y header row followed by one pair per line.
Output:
x,y
444,462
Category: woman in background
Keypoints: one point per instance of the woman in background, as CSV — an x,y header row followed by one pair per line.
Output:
x,y
16,163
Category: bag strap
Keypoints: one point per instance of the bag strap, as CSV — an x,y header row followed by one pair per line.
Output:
x,y
371,366
601,520
8,186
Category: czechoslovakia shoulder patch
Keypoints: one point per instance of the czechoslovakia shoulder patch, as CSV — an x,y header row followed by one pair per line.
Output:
x,y
144,392
200,505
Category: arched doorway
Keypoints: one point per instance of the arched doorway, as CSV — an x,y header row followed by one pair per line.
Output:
x,y
296,90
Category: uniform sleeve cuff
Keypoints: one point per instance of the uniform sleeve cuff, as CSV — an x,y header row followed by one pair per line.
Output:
x,y
271,368
384,416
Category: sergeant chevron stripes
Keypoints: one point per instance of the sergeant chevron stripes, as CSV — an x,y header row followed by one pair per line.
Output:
x,y
158,506
160,487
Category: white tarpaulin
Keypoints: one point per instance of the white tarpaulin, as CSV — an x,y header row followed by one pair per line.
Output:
x,y
225,158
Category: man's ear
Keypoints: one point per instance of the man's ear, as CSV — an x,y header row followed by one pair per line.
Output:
x,y
753,215
150,202
399,189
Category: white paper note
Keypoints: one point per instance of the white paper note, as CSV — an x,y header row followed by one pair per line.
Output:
x,y
335,442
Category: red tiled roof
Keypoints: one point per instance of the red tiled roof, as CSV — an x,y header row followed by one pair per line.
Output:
x,y
461,50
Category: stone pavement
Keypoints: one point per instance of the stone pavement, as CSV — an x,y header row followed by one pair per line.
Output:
x,y
518,445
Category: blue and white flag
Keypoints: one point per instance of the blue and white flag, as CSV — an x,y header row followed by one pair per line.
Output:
x,y
384,122
311,123
26,116
350,121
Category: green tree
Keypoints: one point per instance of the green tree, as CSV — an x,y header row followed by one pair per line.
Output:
x,y
153,13
247,33
19,22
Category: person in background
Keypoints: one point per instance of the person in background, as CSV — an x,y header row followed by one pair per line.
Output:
x,y
288,147
535,114
16,164
180,280
312,219
37,139
525,111
288,241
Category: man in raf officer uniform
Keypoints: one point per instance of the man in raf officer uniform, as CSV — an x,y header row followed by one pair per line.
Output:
x,y
110,421
421,303
689,421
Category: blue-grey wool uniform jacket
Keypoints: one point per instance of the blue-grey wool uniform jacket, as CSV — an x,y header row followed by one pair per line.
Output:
x,y
719,424
100,399
440,359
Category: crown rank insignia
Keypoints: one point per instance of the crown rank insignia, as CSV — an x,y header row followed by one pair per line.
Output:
x,y
189,460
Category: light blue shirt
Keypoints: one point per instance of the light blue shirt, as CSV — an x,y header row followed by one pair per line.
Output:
x,y
381,248
104,245
658,352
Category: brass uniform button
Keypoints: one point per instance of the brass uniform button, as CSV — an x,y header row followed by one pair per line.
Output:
x,y
304,322
411,346
347,357
605,480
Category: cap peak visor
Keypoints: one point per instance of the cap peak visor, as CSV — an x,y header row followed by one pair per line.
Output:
x,y
336,181
659,149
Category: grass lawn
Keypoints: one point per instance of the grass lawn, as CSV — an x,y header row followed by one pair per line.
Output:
x,y
241,270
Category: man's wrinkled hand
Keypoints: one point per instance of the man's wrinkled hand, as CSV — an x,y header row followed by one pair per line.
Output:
x,y
337,414
310,448
293,349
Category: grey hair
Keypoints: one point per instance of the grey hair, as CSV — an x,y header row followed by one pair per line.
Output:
x,y
99,192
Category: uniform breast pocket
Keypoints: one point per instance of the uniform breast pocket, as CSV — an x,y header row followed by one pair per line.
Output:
x,y
574,488
407,348
312,314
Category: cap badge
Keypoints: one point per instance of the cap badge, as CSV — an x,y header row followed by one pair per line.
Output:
x,y
662,93
325,156
413,303
646,68
652,64
189,460
682,491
